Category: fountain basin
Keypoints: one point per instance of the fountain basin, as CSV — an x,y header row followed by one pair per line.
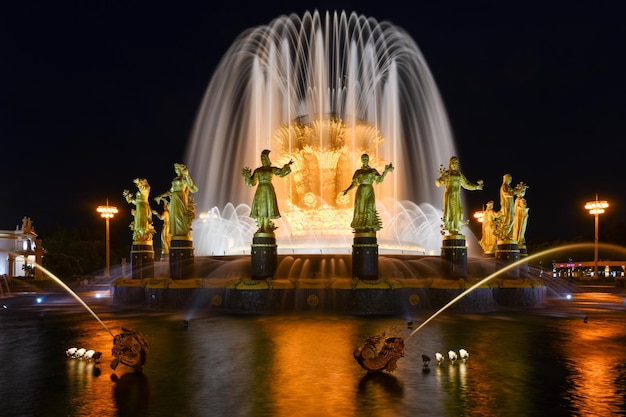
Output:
x,y
324,283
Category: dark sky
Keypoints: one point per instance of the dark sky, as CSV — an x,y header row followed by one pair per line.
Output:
x,y
535,89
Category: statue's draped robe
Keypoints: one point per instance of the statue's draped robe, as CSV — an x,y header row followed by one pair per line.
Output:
x,y
180,214
489,240
264,204
520,220
452,208
507,210
142,226
143,216
365,215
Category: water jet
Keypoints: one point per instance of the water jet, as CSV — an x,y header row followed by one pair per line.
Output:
x,y
129,347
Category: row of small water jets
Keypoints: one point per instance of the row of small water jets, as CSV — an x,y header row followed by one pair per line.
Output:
x,y
463,356
84,354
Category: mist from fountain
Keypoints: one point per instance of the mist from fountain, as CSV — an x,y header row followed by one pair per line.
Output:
x,y
320,89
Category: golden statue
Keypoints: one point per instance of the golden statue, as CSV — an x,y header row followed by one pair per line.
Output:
x,y
521,218
182,210
366,217
506,216
142,226
488,240
264,205
454,180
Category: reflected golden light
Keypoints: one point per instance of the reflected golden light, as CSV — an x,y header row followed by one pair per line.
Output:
x,y
328,371
593,379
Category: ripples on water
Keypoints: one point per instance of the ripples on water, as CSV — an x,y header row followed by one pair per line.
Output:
x,y
545,361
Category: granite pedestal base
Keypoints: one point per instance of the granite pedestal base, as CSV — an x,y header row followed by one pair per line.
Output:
x,y
264,254
365,256
507,252
181,258
454,256
141,261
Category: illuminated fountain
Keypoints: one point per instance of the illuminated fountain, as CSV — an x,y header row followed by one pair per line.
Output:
x,y
320,90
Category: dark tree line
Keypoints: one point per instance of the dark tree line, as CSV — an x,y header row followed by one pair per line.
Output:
x,y
74,252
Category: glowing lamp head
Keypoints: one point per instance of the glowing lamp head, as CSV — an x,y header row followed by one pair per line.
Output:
x,y
596,207
107,211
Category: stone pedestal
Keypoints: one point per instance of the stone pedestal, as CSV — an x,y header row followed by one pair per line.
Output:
x,y
454,256
181,258
523,254
264,255
365,256
507,252
141,261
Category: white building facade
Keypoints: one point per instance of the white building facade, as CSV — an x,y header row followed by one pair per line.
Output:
x,y
20,250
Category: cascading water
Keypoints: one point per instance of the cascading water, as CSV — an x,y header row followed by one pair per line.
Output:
x,y
320,90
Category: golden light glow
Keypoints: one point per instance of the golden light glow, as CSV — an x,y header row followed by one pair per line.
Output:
x,y
596,207
323,153
107,211
479,216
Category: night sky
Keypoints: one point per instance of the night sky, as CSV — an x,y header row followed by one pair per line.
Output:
x,y
535,89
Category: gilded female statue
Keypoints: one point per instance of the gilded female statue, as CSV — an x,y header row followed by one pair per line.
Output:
x,y
365,218
264,205
142,226
521,219
454,180
506,219
181,207
488,239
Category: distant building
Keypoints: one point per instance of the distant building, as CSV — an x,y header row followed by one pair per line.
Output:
x,y
585,269
20,249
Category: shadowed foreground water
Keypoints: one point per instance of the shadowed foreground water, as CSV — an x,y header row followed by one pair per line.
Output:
x,y
543,361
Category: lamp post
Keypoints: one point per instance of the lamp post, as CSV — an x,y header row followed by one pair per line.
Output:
x,y
107,212
596,208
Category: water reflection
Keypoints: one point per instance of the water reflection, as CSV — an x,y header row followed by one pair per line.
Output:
x,y
545,361
593,353
131,392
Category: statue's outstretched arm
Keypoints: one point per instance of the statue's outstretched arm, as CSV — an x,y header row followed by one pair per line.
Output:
x,y
388,168
249,177
351,186
286,169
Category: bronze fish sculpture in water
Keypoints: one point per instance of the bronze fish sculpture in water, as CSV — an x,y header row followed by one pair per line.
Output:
x,y
372,360
131,349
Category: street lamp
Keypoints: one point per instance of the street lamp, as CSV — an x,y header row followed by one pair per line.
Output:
x,y
107,212
596,208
